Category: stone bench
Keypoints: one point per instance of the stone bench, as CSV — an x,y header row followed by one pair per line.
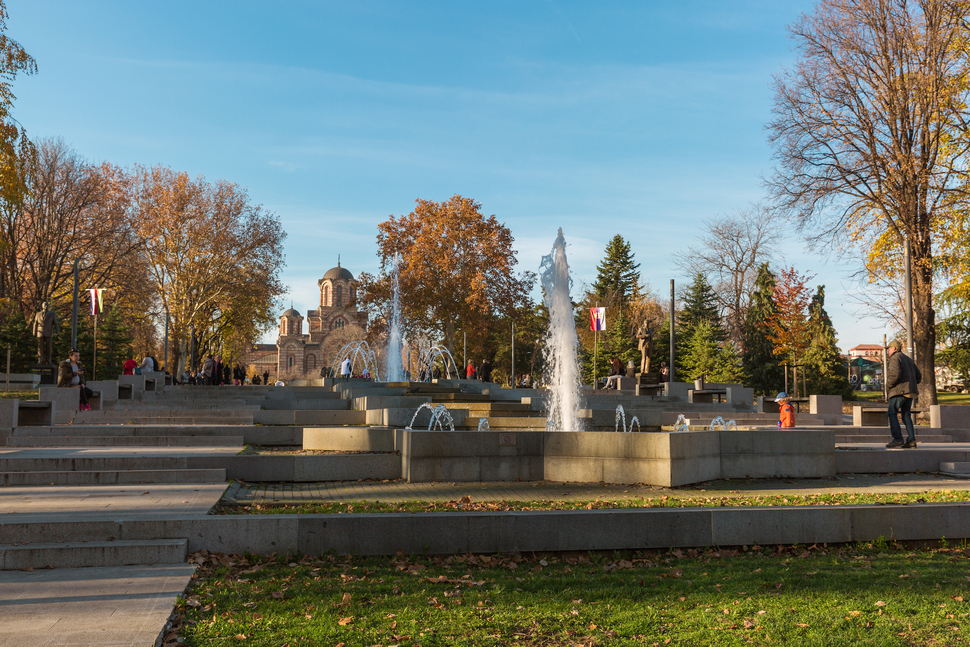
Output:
x,y
67,402
705,396
872,416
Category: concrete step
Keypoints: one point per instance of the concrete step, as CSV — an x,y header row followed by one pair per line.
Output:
x,y
503,408
112,417
84,554
886,437
206,408
92,463
523,423
125,441
112,477
131,430
459,397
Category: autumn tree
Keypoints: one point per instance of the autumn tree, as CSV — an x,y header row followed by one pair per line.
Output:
x,y
788,329
16,150
457,270
728,255
213,257
869,131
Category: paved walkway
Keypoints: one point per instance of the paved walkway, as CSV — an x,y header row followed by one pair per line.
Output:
x,y
399,491
19,504
109,607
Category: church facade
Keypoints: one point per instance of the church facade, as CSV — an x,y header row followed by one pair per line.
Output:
x,y
301,348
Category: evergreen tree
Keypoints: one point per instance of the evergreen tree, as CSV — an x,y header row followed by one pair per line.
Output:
x,y
705,356
825,372
700,305
114,343
761,368
618,276
661,347
16,333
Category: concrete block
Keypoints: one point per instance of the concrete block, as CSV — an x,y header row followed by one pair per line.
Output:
x,y
367,403
767,404
92,554
869,416
949,416
136,383
677,391
739,395
108,390
65,403
9,408
788,525
353,439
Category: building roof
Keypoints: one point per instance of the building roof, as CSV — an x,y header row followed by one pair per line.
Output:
x,y
867,347
291,313
338,273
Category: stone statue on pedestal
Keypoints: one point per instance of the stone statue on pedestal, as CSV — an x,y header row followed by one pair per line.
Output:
x,y
45,327
645,337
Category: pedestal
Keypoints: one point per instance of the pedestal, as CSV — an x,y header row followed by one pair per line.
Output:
x,y
47,372
647,379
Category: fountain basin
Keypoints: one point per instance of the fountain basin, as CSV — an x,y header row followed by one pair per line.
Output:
x,y
659,458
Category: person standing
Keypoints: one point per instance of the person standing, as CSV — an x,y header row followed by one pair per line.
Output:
x,y
902,378
208,369
345,368
470,370
266,378
485,372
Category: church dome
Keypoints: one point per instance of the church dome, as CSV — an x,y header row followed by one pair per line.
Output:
x,y
338,273
291,313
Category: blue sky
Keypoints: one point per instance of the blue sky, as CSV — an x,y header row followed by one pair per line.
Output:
x,y
638,118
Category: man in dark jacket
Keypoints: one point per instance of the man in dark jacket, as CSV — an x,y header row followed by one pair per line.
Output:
x,y
902,376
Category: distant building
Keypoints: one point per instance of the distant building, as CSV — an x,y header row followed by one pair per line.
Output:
x,y
872,352
296,353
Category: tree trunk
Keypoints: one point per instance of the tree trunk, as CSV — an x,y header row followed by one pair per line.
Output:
x,y
924,330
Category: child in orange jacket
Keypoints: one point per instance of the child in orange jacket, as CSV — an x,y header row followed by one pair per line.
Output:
x,y
786,409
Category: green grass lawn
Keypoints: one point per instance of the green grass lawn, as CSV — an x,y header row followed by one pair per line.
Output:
x,y
879,594
675,500
19,395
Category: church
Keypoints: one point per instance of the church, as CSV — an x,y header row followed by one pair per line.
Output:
x,y
297,353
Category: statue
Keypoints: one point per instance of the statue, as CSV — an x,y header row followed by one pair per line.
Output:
x,y
645,337
45,326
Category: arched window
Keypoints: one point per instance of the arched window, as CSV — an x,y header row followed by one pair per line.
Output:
x,y
311,362
340,296
289,362
338,324
326,295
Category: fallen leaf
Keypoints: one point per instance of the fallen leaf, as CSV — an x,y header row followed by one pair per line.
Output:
x,y
880,603
345,621
801,625
748,624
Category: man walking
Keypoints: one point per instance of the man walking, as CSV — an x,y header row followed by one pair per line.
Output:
x,y
902,376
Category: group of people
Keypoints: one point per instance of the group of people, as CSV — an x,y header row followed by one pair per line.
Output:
x,y
483,373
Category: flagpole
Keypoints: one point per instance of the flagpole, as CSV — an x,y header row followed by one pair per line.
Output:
x,y
94,369
596,328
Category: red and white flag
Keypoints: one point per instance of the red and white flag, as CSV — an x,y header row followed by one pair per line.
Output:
x,y
97,300
597,318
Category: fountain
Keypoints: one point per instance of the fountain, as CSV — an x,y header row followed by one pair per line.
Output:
x,y
395,370
361,355
561,342
681,424
717,423
621,414
483,424
430,356
439,415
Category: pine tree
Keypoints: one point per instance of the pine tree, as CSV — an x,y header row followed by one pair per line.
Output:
x,y
621,341
825,372
16,333
114,343
618,276
706,356
700,305
760,365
